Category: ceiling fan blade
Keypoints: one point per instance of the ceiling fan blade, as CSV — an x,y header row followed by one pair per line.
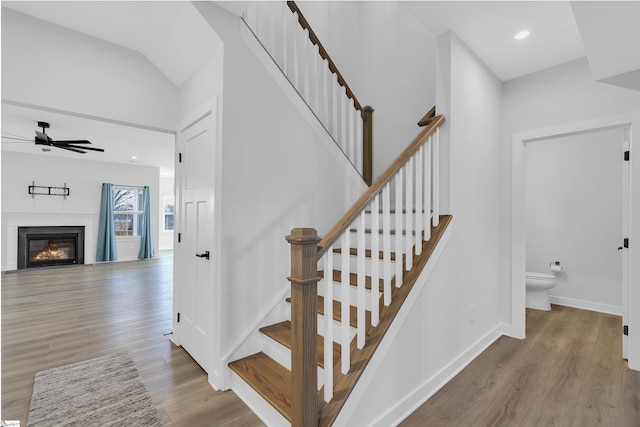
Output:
x,y
41,138
64,147
55,144
16,139
7,134
79,141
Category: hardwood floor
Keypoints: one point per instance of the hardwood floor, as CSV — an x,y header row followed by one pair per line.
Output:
x,y
569,371
53,317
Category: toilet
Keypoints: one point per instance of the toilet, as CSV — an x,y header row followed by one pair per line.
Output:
x,y
538,285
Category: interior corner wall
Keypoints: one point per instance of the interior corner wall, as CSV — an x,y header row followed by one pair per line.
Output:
x,y
463,291
388,59
19,170
277,174
564,94
50,66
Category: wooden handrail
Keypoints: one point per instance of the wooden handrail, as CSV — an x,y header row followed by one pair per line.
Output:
x,y
427,118
323,52
332,236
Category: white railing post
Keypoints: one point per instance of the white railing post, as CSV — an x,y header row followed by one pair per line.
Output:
x,y
328,326
427,190
408,206
375,260
361,272
386,241
436,179
345,279
398,227
419,204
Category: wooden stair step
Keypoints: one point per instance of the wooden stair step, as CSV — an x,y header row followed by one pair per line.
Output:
x,y
337,312
367,253
281,332
269,378
353,279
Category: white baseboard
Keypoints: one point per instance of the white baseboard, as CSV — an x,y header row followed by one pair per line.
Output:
x,y
586,305
412,401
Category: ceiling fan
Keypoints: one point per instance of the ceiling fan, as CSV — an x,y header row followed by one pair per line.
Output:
x,y
78,146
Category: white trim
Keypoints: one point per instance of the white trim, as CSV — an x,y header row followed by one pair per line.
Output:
x,y
586,305
412,401
345,415
518,320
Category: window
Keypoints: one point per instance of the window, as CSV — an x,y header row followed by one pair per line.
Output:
x,y
168,209
127,210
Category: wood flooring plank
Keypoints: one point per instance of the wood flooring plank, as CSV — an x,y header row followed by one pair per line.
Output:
x,y
567,372
54,317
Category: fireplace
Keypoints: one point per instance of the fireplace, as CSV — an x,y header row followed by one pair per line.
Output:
x,y
50,246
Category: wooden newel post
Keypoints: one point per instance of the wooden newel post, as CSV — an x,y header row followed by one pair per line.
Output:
x,y
304,351
367,145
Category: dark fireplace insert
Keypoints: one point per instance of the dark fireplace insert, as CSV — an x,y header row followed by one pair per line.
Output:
x,y
50,246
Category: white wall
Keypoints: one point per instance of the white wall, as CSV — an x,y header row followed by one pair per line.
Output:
x,y
388,59
47,65
84,178
277,174
574,215
442,331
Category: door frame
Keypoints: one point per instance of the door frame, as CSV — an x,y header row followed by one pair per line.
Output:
x,y
212,106
518,235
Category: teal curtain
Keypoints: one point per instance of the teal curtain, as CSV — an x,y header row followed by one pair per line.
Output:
x,y
106,234
146,237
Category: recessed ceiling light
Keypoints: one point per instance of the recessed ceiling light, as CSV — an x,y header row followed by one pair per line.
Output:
x,y
522,35
133,157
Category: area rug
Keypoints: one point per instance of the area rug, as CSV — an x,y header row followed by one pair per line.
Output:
x,y
105,391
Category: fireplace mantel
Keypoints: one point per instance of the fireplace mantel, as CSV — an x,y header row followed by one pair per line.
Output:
x,y
31,219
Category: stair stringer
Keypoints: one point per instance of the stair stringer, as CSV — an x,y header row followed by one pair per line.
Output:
x,y
296,99
358,392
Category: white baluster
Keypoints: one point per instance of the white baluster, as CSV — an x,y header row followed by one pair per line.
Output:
x,y
326,95
419,206
359,142
344,121
305,65
345,338
398,209
285,12
271,31
362,275
317,81
408,206
436,179
375,260
386,241
328,325
353,134
335,110
427,190
295,53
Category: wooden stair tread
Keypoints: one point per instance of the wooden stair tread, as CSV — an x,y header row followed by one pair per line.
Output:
x,y
337,312
281,332
267,377
367,253
353,279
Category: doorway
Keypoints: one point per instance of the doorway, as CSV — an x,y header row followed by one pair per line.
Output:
x,y
518,225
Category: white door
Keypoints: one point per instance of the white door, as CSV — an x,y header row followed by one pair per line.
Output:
x,y
625,251
194,302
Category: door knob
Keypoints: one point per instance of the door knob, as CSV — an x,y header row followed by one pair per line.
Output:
x,y
204,255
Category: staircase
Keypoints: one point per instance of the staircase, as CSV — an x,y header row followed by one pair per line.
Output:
x,y
348,287
362,288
